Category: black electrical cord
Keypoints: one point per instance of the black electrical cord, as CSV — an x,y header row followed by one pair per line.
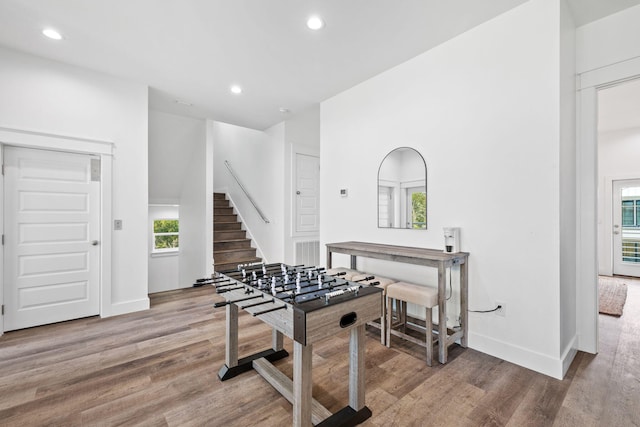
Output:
x,y
450,287
498,307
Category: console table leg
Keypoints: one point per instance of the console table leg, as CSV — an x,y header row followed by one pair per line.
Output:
x,y
464,304
442,315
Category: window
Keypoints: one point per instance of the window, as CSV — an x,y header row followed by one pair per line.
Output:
x,y
630,226
165,235
631,213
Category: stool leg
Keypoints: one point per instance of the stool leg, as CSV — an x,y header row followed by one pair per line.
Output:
x,y
389,316
429,337
404,317
383,322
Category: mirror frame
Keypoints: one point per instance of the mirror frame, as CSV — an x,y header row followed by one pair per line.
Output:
x,y
425,187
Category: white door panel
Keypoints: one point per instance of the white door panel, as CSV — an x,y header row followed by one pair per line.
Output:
x,y
307,193
52,228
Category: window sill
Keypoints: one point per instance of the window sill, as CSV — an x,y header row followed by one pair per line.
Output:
x,y
164,254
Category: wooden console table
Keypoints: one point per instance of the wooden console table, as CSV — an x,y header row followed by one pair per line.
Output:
x,y
419,256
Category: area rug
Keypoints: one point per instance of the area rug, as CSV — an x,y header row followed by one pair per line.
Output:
x,y
612,296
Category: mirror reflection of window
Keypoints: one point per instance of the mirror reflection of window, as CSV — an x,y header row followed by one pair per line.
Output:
x,y
402,185
417,207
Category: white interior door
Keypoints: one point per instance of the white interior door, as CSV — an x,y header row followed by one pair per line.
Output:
x,y
626,227
307,193
51,232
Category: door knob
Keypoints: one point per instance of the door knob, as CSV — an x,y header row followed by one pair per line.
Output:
x,y
298,192
94,243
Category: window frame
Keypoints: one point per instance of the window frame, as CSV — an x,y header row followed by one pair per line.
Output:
x,y
155,250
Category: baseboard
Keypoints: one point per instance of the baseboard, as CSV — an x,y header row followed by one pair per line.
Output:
x,y
128,307
545,364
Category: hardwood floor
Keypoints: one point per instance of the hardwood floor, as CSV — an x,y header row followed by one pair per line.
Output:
x,y
159,367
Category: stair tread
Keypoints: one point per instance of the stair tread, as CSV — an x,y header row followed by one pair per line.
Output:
x,y
233,250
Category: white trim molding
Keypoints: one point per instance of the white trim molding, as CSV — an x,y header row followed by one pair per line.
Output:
x,y
31,139
587,182
104,149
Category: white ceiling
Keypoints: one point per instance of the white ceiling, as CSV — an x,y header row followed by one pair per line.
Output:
x,y
193,50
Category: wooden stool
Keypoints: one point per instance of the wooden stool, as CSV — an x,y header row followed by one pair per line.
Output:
x,y
383,282
403,293
349,273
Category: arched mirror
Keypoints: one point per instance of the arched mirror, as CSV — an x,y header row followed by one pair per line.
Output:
x,y
402,190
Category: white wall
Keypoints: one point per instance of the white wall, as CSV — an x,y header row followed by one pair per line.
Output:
x,y
180,168
483,109
196,213
302,136
163,267
303,127
54,98
172,140
568,187
609,40
257,158
618,154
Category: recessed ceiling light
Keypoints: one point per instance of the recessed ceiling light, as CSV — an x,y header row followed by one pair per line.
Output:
x,y
52,34
315,23
284,110
236,89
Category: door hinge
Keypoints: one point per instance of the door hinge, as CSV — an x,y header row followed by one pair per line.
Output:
x,y
3,309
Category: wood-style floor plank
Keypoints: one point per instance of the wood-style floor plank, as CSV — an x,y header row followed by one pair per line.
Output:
x,y
159,368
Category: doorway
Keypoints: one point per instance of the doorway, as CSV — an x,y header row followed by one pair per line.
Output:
x,y
626,227
618,134
52,236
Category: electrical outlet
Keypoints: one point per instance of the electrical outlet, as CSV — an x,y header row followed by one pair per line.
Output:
x,y
502,311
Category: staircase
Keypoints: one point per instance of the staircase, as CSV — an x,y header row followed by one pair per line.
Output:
x,y
230,244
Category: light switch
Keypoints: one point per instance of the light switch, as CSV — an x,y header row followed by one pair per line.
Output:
x,y
117,224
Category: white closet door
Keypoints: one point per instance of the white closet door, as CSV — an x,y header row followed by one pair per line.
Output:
x,y
51,232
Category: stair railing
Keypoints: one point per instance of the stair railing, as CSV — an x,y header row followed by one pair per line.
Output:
x,y
228,165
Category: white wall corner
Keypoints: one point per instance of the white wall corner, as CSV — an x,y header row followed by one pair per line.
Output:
x,y
569,354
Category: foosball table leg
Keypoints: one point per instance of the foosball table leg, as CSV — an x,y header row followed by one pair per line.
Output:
x,y
234,366
302,384
277,340
356,368
231,350
356,412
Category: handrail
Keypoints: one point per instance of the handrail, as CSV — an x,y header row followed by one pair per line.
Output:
x,y
228,165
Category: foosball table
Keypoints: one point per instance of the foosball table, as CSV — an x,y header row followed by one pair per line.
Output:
x,y
306,305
